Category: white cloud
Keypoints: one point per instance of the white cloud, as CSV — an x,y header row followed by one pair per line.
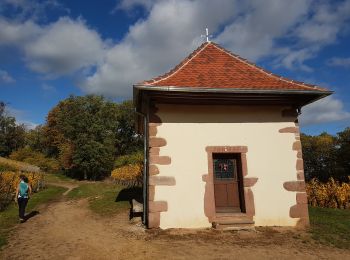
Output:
x,y
308,26
5,77
172,29
339,62
30,9
326,20
18,33
64,47
60,48
152,46
292,59
329,109
325,23
253,33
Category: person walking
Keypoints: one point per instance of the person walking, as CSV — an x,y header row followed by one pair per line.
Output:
x,y
23,192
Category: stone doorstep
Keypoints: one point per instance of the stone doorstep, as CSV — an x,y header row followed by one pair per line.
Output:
x,y
232,219
234,226
220,215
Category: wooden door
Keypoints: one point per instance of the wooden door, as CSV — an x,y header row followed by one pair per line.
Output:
x,y
226,184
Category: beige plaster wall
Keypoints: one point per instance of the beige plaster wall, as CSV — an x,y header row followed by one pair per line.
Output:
x,y
188,130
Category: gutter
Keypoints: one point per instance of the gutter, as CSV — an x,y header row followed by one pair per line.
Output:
x,y
229,90
145,168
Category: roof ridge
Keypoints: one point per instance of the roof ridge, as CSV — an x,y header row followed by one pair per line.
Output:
x,y
178,67
268,73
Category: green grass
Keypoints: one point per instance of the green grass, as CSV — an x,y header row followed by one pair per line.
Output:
x,y
57,177
102,197
330,226
9,217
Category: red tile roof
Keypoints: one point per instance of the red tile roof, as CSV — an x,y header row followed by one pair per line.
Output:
x,y
211,66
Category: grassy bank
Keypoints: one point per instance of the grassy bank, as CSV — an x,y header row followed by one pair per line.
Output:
x,y
58,177
9,217
102,197
330,226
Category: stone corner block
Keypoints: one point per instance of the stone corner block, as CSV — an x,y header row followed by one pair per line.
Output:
x,y
157,142
158,206
290,129
294,186
296,146
162,180
162,160
299,211
153,220
249,181
301,198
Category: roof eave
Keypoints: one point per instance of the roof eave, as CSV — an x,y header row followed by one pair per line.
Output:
x,y
321,93
142,91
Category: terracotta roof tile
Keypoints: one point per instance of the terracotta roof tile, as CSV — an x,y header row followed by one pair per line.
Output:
x,y
211,66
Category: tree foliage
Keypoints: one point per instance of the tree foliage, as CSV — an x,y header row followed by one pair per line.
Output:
x,y
127,141
12,136
36,139
343,156
327,156
319,155
87,133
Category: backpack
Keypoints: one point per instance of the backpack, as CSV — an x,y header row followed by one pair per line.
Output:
x,y
23,190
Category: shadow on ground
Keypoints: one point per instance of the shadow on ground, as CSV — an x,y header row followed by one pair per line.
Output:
x,y
129,194
31,214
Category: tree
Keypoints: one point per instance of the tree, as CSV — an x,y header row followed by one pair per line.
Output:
x,y
12,136
127,140
80,131
319,154
35,139
343,154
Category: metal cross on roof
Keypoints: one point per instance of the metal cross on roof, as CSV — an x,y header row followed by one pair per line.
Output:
x,y
207,35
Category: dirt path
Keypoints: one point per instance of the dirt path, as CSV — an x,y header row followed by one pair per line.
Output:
x,y
69,230
65,184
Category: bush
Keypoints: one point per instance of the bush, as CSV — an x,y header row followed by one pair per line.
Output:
x,y
9,181
6,167
128,169
331,194
129,175
29,156
12,165
134,158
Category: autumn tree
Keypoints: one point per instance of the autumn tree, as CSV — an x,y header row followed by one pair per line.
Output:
x,y
87,133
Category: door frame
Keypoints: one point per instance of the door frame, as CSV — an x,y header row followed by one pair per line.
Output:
x,y
237,173
247,203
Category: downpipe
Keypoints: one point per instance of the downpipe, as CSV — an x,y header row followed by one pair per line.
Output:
x,y
145,168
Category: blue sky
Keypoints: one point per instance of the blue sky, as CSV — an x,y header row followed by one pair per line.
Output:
x,y
52,49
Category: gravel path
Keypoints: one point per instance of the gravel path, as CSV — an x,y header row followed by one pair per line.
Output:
x,y
67,229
